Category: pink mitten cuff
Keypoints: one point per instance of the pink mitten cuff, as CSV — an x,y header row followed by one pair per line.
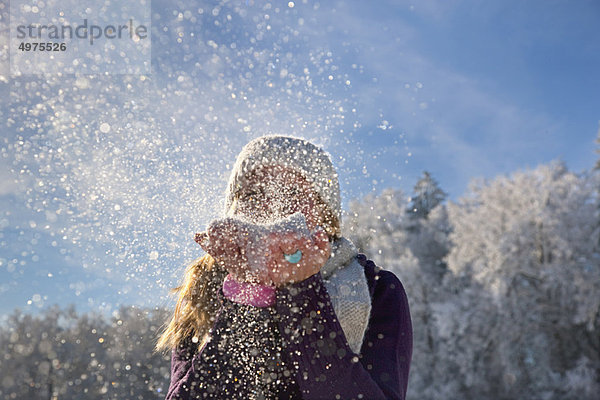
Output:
x,y
249,293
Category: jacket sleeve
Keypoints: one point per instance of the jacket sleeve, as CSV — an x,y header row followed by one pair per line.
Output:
x,y
181,370
326,367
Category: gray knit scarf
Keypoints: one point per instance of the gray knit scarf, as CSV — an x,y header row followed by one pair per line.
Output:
x,y
346,283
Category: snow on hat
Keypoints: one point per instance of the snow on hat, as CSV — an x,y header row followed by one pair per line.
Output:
x,y
297,154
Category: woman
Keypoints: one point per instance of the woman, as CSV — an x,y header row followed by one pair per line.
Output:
x,y
333,325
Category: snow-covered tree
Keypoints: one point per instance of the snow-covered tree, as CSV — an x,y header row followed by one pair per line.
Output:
x,y
380,225
529,241
426,196
377,216
513,318
62,354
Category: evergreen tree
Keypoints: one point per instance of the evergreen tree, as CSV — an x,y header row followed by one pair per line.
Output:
x,y
427,195
428,225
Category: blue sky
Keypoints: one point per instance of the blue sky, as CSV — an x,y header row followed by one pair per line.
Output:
x,y
461,89
506,85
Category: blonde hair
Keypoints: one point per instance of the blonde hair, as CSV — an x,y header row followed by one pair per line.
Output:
x,y
197,297
197,303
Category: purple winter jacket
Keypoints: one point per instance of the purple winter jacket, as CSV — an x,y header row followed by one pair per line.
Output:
x,y
317,361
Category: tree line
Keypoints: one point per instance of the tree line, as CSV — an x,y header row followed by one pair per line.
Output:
x,y
503,287
503,284
62,354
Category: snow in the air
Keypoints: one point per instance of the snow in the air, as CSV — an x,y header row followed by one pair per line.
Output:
x,y
105,180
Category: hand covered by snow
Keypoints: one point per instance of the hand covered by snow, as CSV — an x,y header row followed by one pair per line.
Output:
x,y
255,252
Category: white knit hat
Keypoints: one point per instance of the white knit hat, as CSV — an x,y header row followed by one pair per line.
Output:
x,y
312,162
